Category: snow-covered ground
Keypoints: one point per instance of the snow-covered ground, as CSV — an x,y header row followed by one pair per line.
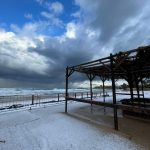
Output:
x,y
50,128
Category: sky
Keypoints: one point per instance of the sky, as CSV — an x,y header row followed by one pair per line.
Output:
x,y
39,38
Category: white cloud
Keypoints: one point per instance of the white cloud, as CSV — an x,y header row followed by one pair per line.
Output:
x,y
51,13
31,29
92,33
15,54
40,1
52,19
56,7
5,36
28,16
71,31
76,14
47,15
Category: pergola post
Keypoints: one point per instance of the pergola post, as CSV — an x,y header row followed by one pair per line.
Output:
x,y
91,93
103,90
138,92
114,93
91,90
91,77
130,82
137,88
66,95
103,81
142,87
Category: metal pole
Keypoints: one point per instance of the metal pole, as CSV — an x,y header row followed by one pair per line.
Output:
x,y
142,87
32,99
131,90
75,95
130,82
137,88
91,92
66,90
58,97
142,90
82,95
103,91
114,94
91,89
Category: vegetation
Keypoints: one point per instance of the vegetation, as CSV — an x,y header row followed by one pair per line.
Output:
x,y
124,86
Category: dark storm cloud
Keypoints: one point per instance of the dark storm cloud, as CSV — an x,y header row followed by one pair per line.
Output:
x,y
110,16
68,53
29,65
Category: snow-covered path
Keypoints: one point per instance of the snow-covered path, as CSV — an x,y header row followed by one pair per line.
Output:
x,y
51,129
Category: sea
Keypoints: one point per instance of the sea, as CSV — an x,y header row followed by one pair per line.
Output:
x,y
39,91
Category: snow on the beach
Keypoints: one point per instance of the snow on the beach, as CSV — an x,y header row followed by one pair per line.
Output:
x,y
50,128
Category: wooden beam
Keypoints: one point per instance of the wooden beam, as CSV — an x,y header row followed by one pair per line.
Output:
x,y
111,105
114,93
93,102
66,95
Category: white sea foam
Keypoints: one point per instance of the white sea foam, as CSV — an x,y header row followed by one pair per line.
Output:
x,y
30,91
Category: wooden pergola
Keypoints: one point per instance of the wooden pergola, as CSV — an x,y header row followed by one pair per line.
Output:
x,y
132,66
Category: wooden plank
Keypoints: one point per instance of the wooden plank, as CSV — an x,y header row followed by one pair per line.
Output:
x,y
134,108
66,90
92,102
118,106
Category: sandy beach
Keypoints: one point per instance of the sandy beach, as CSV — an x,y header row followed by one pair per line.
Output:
x,y
50,128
